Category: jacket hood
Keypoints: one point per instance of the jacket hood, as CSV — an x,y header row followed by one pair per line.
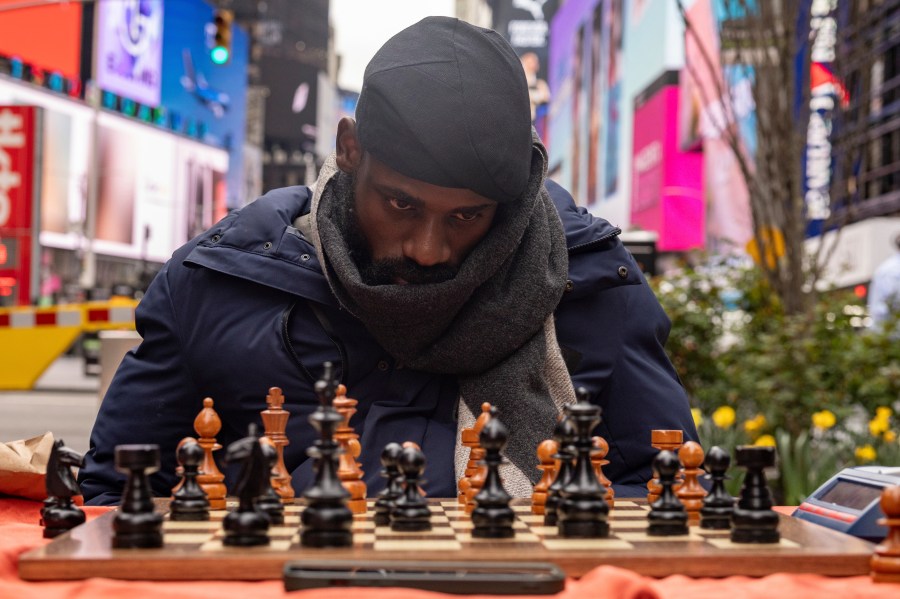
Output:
x,y
259,243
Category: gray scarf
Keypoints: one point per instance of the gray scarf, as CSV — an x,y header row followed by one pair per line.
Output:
x,y
486,325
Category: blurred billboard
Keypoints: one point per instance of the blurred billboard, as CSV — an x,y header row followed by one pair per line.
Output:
x,y
49,37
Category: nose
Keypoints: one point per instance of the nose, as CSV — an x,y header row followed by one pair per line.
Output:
x,y
427,244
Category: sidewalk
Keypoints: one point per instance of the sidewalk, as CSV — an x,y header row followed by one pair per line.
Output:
x,y
64,402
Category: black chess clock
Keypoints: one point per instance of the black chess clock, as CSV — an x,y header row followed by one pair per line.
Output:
x,y
849,501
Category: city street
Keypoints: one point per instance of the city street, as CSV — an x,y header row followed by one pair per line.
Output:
x,y
64,402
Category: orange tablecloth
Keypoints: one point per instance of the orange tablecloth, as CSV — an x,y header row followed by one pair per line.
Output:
x,y
20,531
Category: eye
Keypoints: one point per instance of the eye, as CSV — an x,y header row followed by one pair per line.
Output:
x,y
400,204
466,216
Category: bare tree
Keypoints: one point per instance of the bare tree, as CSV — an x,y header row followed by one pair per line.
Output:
x,y
771,41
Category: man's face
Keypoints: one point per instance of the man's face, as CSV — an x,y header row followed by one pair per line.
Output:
x,y
408,231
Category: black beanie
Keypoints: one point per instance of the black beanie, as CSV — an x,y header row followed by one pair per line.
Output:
x,y
446,102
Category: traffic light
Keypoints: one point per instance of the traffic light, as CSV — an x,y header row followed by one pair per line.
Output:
x,y
221,50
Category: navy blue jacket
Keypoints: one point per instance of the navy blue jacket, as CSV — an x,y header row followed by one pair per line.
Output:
x,y
245,307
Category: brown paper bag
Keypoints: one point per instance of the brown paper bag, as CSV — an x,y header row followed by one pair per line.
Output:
x,y
23,467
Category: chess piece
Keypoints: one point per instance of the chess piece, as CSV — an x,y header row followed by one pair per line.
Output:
x,y
564,435
411,513
691,493
492,517
547,465
670,440
387,498
718,505
885,562
246,526
598,459
326,521
754,520
189,501
268,501
349,470
207,425
582,511
275,419
60,513
136,525
474,478
667,515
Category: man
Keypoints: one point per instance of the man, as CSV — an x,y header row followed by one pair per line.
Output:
x,y
884,291
433,264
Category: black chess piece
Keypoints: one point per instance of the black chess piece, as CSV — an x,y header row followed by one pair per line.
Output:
x,y
327,519
189,502
136,525
269,502
667,516
60,513
564,434
582,510
246,526
387,498
492,518
718,505
754,520
411,513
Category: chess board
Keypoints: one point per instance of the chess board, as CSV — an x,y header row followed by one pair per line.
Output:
x,y
194,550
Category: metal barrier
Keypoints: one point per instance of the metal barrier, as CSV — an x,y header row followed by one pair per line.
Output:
x,y
33,338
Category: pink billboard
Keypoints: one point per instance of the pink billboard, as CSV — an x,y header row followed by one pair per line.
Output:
x,y
667,183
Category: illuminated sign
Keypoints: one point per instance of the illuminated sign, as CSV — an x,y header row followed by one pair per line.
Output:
x,y
18,212
129,49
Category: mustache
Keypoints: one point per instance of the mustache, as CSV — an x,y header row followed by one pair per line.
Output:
x,y
388,270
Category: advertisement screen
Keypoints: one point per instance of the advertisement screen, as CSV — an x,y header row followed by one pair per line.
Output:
x,y
573,123
18,147
705,116
667,184
291,105
147,208
128,56
48,37
204,96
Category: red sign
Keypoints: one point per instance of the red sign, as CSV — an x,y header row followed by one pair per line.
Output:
x,y
49,36
18,141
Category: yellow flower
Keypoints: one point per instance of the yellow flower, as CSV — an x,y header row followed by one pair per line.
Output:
x,y
767,440
883,412
890,436
877,426
823,420
724,416
756,424
866,453
697,415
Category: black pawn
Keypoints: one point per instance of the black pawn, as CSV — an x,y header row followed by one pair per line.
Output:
x,y
667,515
60,513
326,521
754,520
492,517
246,526
189,502
387,498
136,525
564,434
269,502
411,513
718,505
582,510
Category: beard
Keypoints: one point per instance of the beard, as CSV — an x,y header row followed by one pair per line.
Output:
x,y
386,271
